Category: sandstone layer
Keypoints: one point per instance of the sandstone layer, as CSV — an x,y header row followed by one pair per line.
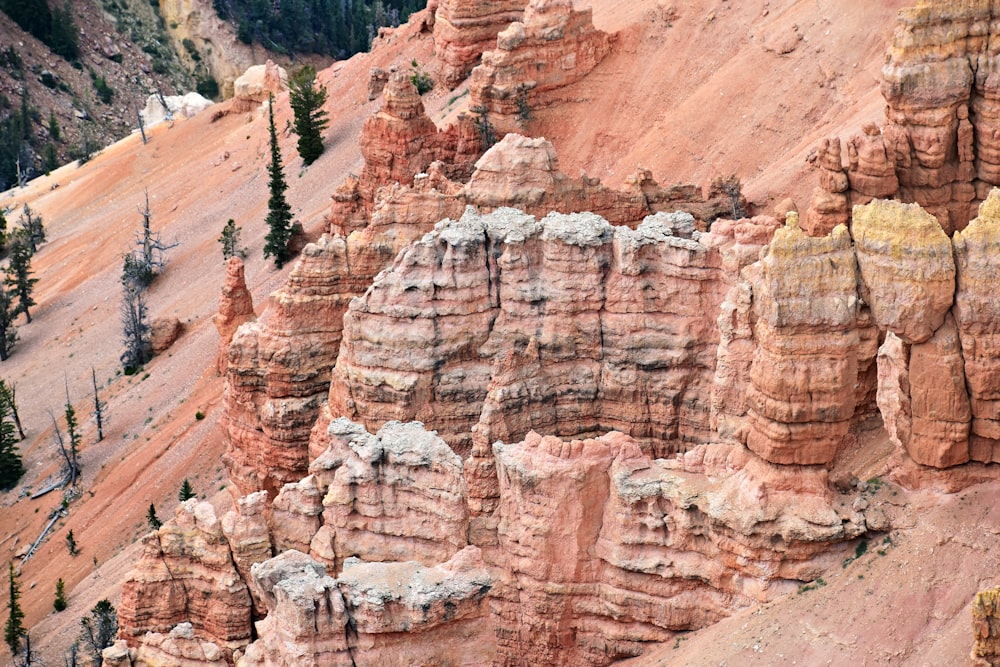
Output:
x,y
463,30
553,46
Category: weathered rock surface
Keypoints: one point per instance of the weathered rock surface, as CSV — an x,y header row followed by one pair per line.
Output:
x,y
805,367
464,29
279,373
235,308
594,296
598,552
397,495
249,540
307,621
256,85
173,107
977,315
375,614
907,268
553,46
164,332
986,628
179,648
186,574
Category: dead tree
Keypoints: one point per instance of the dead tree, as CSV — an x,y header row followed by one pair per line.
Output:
x,y
99,407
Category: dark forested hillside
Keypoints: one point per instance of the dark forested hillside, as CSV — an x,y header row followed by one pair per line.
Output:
x,y
337,28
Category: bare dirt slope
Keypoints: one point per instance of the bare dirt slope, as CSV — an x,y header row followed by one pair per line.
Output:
x,y
694,89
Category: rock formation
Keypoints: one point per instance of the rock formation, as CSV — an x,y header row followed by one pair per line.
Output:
x,y
939,146
256,85
393,496
986,628
551,48
801,399
463,30
235,308
375,613
277,368
977,316
186,575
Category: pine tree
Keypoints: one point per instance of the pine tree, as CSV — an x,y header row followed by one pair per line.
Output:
x,y
60,602
230,241
99,407
310,119
154,521
8,333
31,224
71,544
75,439
135,327
187,492
8,396
98,631
14,629
11,467
19,273
279,213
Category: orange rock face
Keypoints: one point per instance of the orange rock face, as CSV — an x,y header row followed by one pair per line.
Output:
x,y
801,398
598,550
463,29
186,574
977,315
235,308
552,47
398,613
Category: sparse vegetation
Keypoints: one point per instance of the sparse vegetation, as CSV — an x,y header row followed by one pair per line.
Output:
x,y
487,133
279,213
99,629
420,79
71,545
11,466
151,518
307,100
59,604
230,241
14,628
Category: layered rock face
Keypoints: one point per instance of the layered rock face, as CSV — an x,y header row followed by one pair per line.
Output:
x,y
393,496
186,575
551,48
391,614
803,375
603,550
621,323
939,147
977,316
235,308
278,368
464,29
986,628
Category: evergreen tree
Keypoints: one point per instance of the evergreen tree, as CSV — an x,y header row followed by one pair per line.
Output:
x,y
64,37
279,213
75,439
14,629
71,544
99,629
307,101
11,467
60,602
99,407
8,397
187,492
230,241
32,226
154,521
8,333
19,273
